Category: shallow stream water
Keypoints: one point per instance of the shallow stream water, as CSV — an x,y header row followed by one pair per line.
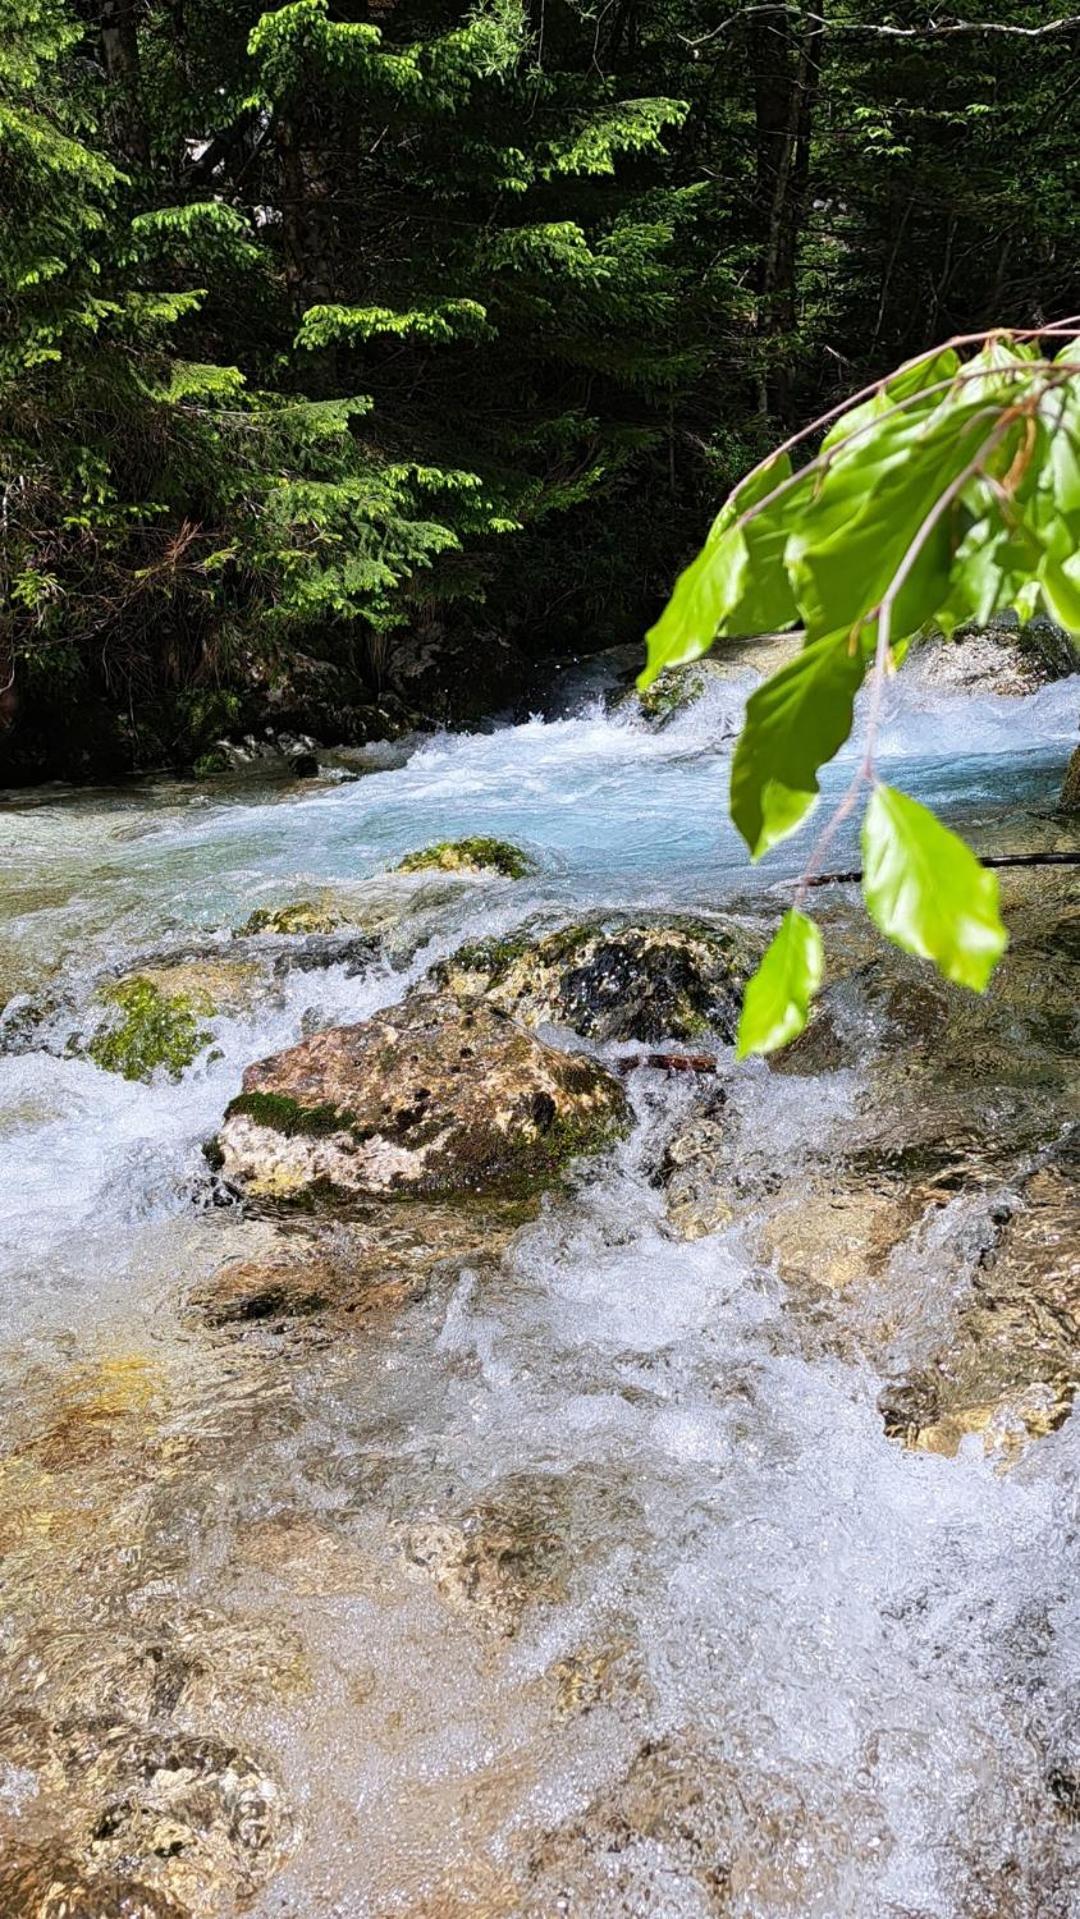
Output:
x,y
590,1581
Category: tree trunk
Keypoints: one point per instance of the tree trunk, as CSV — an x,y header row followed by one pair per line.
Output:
x,y
787,69
120,52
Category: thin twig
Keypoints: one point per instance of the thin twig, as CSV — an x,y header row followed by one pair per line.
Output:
x,y
823,460
1064,329
997,860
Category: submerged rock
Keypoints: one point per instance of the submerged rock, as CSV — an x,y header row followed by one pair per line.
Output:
x,y
151,1826
428,1097
364,1271
519,1545
148,1028
296,916
477,855
1008,1366
674,980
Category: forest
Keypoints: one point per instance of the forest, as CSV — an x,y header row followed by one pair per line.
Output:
x,y
359,361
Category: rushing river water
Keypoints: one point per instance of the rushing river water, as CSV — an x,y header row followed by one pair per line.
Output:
x,y
591,1581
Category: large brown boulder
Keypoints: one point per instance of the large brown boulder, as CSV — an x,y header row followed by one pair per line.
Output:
x,y
428,1097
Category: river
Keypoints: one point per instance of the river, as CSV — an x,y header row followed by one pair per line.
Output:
x,y
592,1580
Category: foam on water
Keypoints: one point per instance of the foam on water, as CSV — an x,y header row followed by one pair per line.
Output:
x,y
848,1669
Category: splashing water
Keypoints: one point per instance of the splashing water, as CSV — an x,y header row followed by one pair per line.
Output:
x,y
593,1583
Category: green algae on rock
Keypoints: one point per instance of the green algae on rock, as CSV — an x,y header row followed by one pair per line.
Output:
x,y
477,855
297,916
674,980
149,1029
429,1097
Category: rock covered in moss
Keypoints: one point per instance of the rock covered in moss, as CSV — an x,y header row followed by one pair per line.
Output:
x,y
147,1029
428,1097
678,688
469,856
675,980
295,916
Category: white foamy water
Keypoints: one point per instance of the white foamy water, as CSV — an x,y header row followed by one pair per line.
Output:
x,y
817,1676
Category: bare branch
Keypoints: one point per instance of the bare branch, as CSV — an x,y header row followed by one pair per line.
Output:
x,y
867,30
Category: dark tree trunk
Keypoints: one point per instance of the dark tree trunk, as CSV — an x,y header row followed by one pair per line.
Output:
x,y
787,70
120,53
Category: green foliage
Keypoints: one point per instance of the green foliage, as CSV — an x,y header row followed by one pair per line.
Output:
x,y
951,493
794,724
926,890
777,1001
350,354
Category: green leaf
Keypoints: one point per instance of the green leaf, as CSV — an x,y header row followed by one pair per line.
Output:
x,y
903,386
794,724
844,550
1061,590
777,1001
927,892
736,585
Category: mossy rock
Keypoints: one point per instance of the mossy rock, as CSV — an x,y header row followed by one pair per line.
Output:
x,y
469,856
669,980
149,1029
297,916
427,1098
1070,785
672,692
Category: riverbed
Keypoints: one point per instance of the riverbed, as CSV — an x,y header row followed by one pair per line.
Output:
x,y
618,1569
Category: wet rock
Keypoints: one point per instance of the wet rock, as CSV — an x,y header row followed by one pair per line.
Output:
x,y
839,1237
1001,658
678,688
699,1196
296,916
129,1821
271,752
428,1097
1007,1368
1070,785
95,1409
148,1029
469,856
594,1676
658,1839
305,1555
47,1883
210,985
674,980
503,1555
517,1546
363,1273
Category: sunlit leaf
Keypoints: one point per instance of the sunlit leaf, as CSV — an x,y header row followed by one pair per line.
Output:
x,y
910,386
776,1005
736,585
927,892
794,724
1060,585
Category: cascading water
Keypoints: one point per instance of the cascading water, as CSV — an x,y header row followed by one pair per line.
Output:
x,y
593,1582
